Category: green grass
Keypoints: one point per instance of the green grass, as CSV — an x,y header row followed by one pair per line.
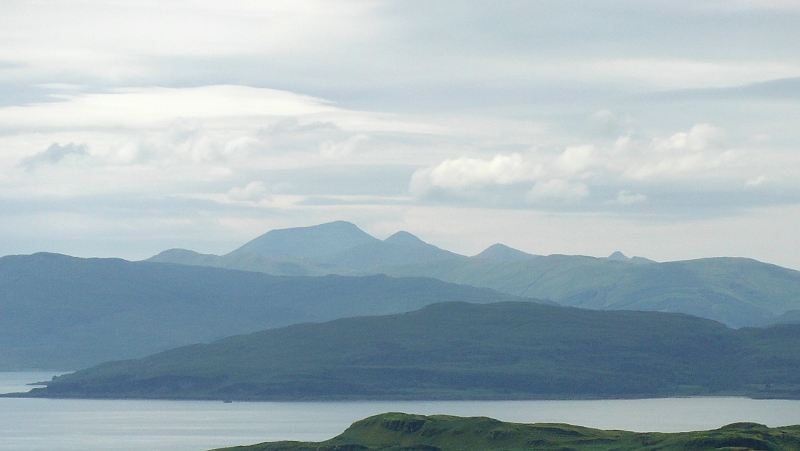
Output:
x,y
399,431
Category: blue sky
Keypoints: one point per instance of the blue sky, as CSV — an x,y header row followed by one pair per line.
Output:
x,y
662,129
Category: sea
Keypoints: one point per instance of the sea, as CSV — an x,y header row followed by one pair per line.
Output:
x,y
111,425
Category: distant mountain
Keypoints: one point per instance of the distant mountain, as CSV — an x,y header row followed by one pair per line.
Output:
x,y
400,248
61,313
502,253
400,431
315,242
505,350
620,257
738,292
280,265
333,248
790,317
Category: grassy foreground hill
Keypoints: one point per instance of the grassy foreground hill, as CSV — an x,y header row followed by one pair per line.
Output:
x,y
738,292
509,350
406,432
61,313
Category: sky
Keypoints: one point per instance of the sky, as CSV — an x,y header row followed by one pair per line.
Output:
x,y
663,129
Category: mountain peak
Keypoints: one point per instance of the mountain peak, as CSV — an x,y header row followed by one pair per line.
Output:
x,y
403,238
309,242
617,255
503,253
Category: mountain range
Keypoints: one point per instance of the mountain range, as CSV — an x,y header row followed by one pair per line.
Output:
x,y
735,291
65,313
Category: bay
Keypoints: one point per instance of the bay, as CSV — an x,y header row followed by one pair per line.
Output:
x,y
112,425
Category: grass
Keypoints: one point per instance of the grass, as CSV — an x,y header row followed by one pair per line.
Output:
x,y
399,431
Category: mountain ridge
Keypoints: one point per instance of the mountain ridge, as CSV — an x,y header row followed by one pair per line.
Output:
x,y
61,313
738,292
457,350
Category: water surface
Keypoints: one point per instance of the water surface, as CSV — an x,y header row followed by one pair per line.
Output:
x,y
95,425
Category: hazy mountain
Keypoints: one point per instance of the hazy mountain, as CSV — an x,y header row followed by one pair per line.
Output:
x,y
400,431
333,248
738,292
401,248
502,253
315,242
278,265
620,257
59,312
790,317
459,350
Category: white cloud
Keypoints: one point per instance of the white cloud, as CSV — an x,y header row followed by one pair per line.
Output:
x,y
557,190
468,172
117,40
576,160
146,107
330,149
758,181
629,198
701,137
253,191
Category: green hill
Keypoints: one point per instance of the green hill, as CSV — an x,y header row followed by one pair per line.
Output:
x,y
509,350
399,431
61,313
735,291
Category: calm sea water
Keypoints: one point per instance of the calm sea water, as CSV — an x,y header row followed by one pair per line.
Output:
x,y
95,425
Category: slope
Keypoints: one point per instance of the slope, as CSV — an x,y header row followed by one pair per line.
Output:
x,y
400,431
736,291
59,312
465,351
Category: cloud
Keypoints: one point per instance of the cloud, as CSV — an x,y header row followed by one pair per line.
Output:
x,y
468,172
576,160
330,149
253,191
629,198
701,137
597,176
557,190
53,155
145,107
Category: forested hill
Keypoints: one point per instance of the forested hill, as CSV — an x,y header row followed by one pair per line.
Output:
x,y
66,313
507,350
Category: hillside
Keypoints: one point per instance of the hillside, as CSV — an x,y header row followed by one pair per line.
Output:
x,y
735,291
399,431
507,350
61,313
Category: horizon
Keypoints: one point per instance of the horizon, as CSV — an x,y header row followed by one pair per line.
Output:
x,y
660,129
629,256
